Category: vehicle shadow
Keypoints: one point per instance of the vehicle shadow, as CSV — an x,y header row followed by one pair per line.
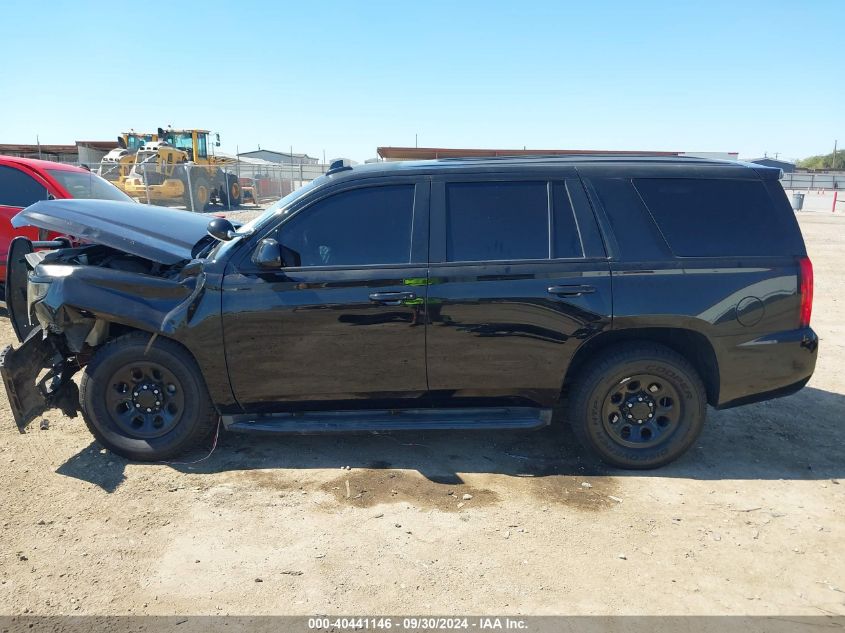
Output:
x,y
789,438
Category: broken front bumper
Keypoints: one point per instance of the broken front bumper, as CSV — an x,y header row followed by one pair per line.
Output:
x,y
37,378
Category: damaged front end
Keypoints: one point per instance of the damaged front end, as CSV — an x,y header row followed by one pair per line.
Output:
x,y
65,303
37,377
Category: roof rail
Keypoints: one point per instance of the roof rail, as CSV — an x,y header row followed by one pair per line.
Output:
x,y
574,156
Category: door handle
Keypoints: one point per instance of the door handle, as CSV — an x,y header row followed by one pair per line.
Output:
x,y
571,291
392,298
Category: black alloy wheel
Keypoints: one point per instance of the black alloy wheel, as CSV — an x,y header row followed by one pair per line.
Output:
x,y
637,405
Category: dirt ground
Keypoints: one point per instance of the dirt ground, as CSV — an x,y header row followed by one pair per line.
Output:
x,y
749,522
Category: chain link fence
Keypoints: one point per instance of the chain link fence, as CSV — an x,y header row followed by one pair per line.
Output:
x,y
811,181
212,185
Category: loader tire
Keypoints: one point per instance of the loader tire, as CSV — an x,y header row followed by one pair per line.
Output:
x,y
231,194
199,190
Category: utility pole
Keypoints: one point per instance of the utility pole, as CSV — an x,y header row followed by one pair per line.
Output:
x,y
238,164
416,144
38,142
834,155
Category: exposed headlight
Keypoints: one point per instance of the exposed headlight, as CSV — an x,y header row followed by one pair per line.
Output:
x,y
35,292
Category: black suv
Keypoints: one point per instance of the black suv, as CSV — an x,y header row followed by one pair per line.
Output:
x,y
450,294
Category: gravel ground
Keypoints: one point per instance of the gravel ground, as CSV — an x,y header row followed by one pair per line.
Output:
x,y
749,522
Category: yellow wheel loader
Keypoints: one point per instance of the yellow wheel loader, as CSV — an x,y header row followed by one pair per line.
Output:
x,y
116,165
178,169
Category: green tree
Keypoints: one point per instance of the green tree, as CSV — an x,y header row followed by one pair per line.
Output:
x,y
823,161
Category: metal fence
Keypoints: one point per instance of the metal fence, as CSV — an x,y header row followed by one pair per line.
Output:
x,y
229,184
813,181
220,185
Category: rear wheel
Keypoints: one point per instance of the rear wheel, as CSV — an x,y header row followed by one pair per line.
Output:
x,y
144,404
639,405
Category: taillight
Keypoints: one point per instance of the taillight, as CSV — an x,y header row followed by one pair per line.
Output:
x,y
805,285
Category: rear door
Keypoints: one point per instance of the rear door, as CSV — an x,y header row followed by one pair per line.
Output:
x,y
518,281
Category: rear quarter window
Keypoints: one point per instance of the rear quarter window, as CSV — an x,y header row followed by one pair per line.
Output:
x,y
717,218
636,235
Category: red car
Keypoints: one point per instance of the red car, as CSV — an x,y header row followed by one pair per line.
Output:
x,y
24,181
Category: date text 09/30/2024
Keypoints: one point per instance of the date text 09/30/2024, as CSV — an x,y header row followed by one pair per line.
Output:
x,y
416,624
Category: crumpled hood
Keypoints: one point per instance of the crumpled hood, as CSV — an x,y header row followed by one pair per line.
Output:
x,y
159,234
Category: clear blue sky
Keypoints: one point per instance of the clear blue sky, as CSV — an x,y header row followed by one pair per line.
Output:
x,y
346,77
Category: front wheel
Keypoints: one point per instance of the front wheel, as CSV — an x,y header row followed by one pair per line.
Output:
x,y
639,405
145,404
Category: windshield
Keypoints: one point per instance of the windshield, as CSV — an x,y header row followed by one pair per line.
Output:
x,y
145,157
87,185
134,141
180,140
279,207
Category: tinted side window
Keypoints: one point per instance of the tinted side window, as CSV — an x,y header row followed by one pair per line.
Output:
x,y
358,227
636,234
497,221
712,218
201,145
18,189
567,240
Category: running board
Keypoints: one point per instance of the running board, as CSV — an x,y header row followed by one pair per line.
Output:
x,y
373,421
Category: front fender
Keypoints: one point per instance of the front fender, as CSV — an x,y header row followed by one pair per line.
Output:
x,y
139,301
185,309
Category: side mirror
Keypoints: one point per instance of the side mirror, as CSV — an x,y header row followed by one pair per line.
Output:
x,y
121,143
221,229
268,254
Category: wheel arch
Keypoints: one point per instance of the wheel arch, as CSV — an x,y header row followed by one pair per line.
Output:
x,y
690,344
116,329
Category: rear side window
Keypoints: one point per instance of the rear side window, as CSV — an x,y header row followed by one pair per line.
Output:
x,y
18,189
489,221
495,221
713,218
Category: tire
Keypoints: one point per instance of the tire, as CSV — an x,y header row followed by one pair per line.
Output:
x,y
123,379
235,196
200,190
638,405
